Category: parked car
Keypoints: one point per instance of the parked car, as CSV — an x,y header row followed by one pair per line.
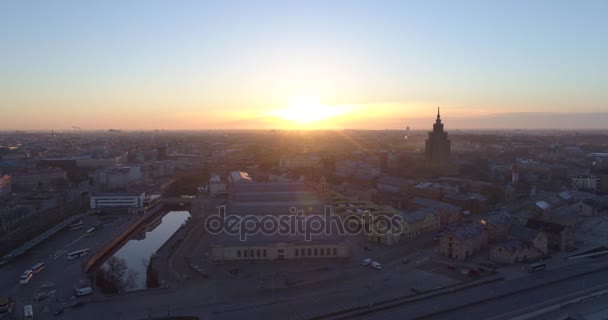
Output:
x,y
489,264
452,267
58,311
40,296
474,272
366,262
405,260
376,265
83,291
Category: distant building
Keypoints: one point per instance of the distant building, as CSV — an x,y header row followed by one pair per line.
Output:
x,y
432,190
534,238
118,200
523,244
586,183
418,222
5,185
472,202
33,179
260,199
587,207
561,237
447,213
413,224
498,225
438,146
236,177
217,186
101,162
161,154
513,251
358,192
118,178
299,161
463,242
359,169
392,184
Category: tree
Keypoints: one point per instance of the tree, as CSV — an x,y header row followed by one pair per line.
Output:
x,y
114,276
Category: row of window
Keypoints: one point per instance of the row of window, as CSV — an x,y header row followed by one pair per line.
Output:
x,y
316,252
257,253
299,252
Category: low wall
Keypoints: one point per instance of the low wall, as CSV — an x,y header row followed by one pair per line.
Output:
x,y
108,247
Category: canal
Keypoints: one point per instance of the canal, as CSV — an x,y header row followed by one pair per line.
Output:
x,y
133,257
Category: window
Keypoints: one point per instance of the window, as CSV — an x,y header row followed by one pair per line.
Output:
x,y
252,253
245,253
264,252
297,252
309,252
258,253
335,251
238,253
316,252
322,251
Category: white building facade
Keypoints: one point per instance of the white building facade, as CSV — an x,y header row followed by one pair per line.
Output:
x,y
118,200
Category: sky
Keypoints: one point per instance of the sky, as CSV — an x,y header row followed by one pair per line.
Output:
x,y
271,64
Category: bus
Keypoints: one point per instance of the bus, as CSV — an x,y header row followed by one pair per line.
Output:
x,y
76,226
38,267
28,312
78,253
26,276
90,232
537,266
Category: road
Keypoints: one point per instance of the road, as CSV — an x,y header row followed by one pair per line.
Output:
x,y
592,309
59,270
190,300
500,300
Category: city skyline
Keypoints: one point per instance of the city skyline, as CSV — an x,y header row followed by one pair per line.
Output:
x,y
266,65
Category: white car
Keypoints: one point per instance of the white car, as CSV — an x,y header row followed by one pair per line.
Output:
x,y
366,262
376,265
25,278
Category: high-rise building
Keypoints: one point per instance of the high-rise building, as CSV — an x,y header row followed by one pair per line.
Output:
x,y
161,153
438,145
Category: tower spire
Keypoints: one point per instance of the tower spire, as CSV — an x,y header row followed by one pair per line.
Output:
x,y
438,116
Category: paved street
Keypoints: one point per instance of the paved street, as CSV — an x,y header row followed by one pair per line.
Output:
x,y
499,297
194,299
59,270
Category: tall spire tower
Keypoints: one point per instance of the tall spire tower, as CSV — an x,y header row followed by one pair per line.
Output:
x,y
438,146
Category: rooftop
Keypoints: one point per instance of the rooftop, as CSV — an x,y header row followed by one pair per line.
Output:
x,y
429,203
467,232
416,215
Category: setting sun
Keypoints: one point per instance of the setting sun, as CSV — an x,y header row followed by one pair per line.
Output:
x,y
308,109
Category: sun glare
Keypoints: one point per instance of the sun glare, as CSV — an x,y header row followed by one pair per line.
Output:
x,y
307,109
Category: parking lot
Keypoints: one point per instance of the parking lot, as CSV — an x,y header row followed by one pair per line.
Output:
x,y
54,285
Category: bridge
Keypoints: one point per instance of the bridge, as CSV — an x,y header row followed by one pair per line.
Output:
x,y
178,201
